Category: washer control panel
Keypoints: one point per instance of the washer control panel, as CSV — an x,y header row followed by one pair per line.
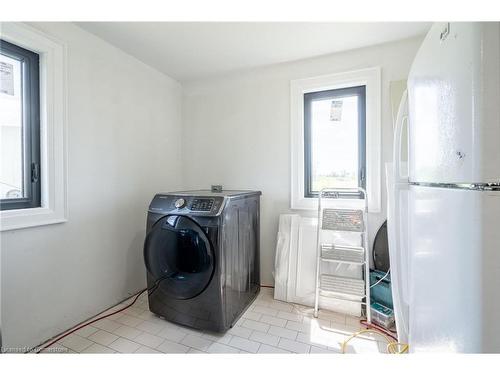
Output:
x,y
202,204
180,203
185,204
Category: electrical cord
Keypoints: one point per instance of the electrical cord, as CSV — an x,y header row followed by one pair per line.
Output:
x,y
149,290
379,328
393,347
382,278
88,323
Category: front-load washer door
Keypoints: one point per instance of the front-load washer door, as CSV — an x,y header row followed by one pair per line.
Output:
x,y
179,257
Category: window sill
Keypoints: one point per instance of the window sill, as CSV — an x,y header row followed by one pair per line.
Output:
x,y
29,217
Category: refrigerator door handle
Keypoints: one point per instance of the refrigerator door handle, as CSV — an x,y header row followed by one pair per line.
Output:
x,y
397,245
399,255
401,122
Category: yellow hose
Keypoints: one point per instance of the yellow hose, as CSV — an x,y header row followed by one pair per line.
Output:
x,y
393,347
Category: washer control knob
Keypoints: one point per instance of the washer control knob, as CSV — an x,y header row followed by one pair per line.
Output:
x,y
179,203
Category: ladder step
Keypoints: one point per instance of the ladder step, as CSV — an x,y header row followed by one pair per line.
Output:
x,y
343,285
345,254
333,295
343,220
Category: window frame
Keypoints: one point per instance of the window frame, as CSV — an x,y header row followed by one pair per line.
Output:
x,y
369,77
30,126
53,135
360,92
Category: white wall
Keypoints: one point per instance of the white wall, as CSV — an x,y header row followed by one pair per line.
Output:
x,y
124,126
237,129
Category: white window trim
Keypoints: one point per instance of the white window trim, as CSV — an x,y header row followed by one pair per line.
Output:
x,y
371,78
53,153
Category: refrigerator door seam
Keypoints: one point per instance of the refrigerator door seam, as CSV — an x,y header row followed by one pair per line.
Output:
x,y
473,186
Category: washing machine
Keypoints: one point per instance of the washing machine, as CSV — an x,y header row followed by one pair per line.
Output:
x,y
202,256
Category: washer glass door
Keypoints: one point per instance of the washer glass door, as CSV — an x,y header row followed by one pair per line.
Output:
x,y
179,257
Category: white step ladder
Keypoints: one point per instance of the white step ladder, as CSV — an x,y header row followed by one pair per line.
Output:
x,y
343,220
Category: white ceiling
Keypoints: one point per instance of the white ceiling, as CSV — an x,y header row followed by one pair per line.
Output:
x,y
192,50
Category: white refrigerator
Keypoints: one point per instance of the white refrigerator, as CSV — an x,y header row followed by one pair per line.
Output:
x,y
444,211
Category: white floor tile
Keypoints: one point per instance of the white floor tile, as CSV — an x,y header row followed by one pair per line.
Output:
x,y
294,346
257,326
172,347
293,316
307,338
252,315
130,321
158,320
124,346
329,338
272,349
315,322
103,337
332,316
265,310
127,332
261,302
107,325
133,311
147,350
240,332
221,348
362,346
264,338
190,331
299,327
282,306
244,344
279,322
265,291
146,315
264,298
172,334
341,329
150,327
76,343
353,321
195,351
86,331
382,347
220,338
150,340
317,350
98,349
196,342
283,332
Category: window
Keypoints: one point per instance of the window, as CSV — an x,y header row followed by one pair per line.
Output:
x,y
334,139
19,128
33,129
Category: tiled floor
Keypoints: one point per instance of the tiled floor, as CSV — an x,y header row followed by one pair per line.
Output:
x,y
268,326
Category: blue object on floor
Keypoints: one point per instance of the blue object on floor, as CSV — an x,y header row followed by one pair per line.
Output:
x,y
381,292
382,315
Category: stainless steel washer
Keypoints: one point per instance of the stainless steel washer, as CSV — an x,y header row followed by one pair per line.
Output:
x,y
202,256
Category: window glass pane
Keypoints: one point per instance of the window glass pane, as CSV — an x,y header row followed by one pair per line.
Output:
x,y
334,143
11,129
